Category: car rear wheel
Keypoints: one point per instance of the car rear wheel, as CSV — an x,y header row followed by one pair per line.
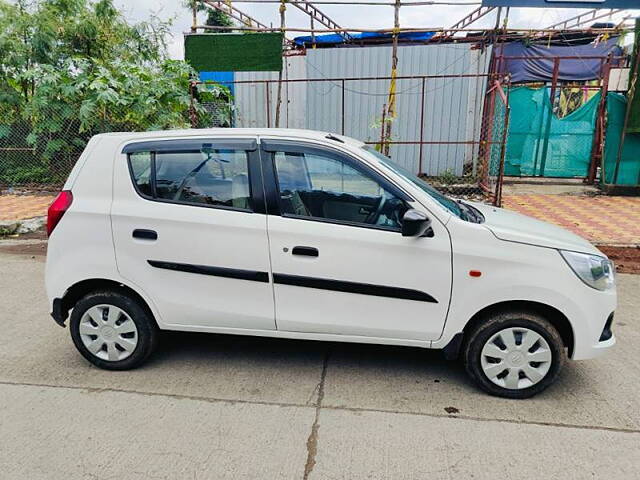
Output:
x,y
112,330
514,354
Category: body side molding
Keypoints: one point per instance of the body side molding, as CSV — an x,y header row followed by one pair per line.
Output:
x,y
236,273
353,287
299,281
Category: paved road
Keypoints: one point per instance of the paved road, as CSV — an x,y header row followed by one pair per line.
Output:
x,y
209,406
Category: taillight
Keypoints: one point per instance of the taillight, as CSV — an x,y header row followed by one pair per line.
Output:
x,y
56,210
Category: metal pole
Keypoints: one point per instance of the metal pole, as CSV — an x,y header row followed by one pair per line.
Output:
x,y
266,85
422,97
597,148
503,152
342,107
498,18
382,128
547,130
485,122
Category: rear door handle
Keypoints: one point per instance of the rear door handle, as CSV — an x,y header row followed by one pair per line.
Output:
x,y
305,251
145,234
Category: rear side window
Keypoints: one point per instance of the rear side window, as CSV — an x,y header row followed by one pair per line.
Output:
x,y
140,163
215,177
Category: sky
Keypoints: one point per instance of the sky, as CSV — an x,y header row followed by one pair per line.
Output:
x,y
355,16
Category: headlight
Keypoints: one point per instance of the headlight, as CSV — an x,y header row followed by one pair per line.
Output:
x,y
597,272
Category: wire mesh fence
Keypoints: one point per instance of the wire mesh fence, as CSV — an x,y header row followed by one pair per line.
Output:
x,y
27,160
37,152
450,129
497,130
446,128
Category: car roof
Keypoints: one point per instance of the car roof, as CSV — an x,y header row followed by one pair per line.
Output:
x,y
227,132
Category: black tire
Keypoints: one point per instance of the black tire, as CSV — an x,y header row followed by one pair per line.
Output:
x,y
477,338
147,330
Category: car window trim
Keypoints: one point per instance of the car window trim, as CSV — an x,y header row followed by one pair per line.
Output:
x,y
344,223
191,145
254,170
152,175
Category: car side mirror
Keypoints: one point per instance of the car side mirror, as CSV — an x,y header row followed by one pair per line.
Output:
x,y
416,224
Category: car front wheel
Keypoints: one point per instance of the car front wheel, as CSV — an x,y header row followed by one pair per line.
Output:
x,y
514,354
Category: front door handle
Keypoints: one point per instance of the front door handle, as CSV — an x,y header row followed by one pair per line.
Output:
x,y
143,234
305,251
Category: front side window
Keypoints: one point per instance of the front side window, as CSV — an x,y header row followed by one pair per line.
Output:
x,y
443,200
208,177
327,186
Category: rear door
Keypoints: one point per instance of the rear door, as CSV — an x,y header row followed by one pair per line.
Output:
x,y
189,229
340,263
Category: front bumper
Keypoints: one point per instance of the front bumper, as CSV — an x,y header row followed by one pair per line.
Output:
x,y
58,313
601,348
606,331
607,338
601,340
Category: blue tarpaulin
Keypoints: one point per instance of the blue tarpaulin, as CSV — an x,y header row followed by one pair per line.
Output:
x,y
531,68
335,38
223,78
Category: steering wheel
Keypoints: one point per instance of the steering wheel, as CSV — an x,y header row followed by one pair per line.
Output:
x,y
373,217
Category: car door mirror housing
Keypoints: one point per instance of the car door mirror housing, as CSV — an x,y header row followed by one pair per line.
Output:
x,y
416,224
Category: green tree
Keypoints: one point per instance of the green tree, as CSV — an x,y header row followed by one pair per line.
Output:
x,y
72,68
215,18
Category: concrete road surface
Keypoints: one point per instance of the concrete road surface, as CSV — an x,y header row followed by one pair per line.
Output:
x,y
210,406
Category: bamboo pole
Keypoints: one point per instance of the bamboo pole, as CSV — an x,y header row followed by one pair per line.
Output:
x,y
313,33
380,3
630,95
194,16
530,31
283,9
391,109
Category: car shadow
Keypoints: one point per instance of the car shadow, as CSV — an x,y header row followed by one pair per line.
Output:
x,y
395,360
397,370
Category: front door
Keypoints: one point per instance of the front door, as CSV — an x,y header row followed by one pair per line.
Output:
x,y
189,227
340,264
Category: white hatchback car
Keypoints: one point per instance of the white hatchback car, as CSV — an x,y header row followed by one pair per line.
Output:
x,y
309,235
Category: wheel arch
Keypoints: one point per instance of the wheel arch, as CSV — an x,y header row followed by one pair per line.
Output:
x,y
558,319
84,287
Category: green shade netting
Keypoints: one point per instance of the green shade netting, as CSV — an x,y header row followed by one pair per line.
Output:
x,y
532,124
633,125
233,52
629,169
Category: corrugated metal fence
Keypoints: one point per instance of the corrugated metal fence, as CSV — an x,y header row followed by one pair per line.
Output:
x,y
343,92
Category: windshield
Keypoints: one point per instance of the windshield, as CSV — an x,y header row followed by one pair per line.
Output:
x,y
446,202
